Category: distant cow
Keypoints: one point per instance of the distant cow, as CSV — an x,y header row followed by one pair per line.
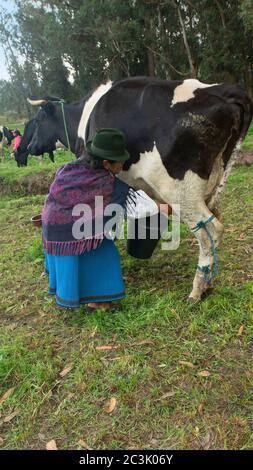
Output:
x,y
6,138
181,136
21,154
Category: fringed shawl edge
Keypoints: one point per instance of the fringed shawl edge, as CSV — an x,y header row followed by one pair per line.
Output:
x,y
73,247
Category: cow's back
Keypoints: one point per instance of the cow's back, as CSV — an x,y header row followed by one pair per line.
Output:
x,y
189,122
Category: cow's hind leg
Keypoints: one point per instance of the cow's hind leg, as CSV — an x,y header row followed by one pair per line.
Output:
x,y
208,231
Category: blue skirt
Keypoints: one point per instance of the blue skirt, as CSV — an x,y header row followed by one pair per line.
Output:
x,y
94,276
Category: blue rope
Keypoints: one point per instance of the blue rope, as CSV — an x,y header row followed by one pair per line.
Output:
x,y
206,270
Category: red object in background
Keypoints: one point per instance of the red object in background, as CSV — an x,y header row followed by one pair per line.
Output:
x,y
16,142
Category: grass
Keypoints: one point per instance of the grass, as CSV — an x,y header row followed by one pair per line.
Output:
x,y
248,142
161,402
33,179
13,124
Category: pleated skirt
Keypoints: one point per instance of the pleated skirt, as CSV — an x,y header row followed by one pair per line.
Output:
x,y
94,276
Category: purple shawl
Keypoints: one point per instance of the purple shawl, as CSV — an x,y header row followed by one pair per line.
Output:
x,y
74,184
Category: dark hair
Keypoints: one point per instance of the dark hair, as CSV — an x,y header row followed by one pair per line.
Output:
x,y
92,162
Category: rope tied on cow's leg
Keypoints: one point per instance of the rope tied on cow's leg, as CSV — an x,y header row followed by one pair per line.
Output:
x,y
209,274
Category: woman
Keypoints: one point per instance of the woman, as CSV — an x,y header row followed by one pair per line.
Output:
x,y
86,269
17,140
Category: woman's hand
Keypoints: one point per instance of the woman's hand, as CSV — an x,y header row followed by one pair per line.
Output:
x,y
163,207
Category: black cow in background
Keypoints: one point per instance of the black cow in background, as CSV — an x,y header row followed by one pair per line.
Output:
x,y
6,137
50,127
21,154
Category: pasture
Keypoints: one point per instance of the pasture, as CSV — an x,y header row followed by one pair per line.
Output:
x,y
181,374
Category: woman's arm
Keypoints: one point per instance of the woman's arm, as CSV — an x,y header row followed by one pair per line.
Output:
x,y
163,207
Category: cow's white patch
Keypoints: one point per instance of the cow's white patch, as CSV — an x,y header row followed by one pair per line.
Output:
x,y
89,105
185,91
60,145
150,174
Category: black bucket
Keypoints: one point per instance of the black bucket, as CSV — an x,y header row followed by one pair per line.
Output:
x,y
147,232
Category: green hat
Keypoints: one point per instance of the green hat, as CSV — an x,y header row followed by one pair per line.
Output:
x,y
109,144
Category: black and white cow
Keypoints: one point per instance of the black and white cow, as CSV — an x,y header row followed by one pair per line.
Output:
x,y
181,136
6,138
21,154
50,128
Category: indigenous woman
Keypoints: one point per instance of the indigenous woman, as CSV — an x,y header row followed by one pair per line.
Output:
x,y
86,270
17,140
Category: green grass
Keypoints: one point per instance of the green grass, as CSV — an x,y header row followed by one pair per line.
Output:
x,y
154,331
248,142
13,124
33,179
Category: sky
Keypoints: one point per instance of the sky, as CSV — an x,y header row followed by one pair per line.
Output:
x,y
9,6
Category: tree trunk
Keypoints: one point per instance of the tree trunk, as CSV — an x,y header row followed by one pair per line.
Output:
x,y
186,44
150,52
151,63
221,12
248,79
162,37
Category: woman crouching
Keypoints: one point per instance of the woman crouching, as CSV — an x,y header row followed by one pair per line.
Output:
x,y
86,269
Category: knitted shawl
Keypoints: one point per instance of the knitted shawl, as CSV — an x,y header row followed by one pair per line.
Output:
x,y
75,183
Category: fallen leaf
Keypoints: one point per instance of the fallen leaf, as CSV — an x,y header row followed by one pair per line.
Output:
x,y
204,373
105,348
6,395
51,445
70,396
117,358
10,417
154,442
66,370
201,408
12,326
144,341
240,331
84,444
231,229
93,333
240,238
196,431
110,406
187,364
207,441
166,395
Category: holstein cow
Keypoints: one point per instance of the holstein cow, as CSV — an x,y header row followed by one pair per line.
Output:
x,y
181,136
6,137
21,154
50,127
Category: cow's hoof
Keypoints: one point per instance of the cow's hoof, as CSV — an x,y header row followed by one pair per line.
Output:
x,y
208,292
193,299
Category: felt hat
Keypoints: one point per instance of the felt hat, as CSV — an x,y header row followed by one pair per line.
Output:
x,y
108,144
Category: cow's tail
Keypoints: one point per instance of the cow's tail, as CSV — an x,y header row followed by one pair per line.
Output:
x,y
246,106
236,96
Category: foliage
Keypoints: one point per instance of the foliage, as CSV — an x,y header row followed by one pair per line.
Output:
x,y
180,374
71,46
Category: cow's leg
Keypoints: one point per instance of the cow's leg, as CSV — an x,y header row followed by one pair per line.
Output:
x,y
192,217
